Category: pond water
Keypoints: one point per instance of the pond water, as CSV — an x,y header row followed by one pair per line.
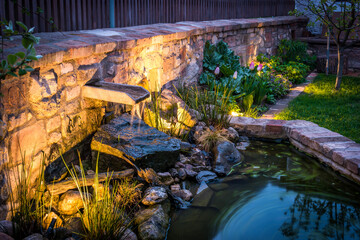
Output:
x,y
276,193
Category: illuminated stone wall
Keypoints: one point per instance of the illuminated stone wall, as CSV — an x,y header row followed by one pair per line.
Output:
x,y
44,112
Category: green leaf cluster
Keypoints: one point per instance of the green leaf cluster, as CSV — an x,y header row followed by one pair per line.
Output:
x,y
295,51
219,55
16,64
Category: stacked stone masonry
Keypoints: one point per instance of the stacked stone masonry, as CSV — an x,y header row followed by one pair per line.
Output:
x,y
44,112
332,149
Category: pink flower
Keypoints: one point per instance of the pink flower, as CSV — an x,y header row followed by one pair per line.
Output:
x,y
235,75
252,65
217,71
260,67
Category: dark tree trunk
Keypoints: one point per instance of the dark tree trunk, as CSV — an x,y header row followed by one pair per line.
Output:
x,y
339,68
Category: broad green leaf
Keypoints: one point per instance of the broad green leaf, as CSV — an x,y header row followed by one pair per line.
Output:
x,y
26,42
12,74
20,54
22,72
22,25
11,59
31,57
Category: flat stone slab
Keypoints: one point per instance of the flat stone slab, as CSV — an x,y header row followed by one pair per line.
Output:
x,y
115,92
129,136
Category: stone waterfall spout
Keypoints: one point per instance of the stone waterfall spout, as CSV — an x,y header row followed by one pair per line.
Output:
x,y
115,92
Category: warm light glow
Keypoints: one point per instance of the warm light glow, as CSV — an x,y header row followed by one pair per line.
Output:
x,y
235,114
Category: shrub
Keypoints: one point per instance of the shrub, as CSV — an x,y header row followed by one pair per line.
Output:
x,y
295,72
295,51
277,87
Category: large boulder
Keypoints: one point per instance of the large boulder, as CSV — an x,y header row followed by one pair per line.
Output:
x,y
153,222
226,155
127,136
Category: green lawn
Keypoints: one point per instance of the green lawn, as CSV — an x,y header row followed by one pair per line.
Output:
x,y
337,111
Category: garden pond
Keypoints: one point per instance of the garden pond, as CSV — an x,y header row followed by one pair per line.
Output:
x,y
275,193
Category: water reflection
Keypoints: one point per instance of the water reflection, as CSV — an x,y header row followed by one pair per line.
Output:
x,y
321,219
276,194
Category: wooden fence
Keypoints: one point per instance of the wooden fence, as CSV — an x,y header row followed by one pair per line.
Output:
x,y
71,15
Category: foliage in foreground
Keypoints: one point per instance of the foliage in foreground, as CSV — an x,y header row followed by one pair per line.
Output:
x,y
105,214
338,111
27,199
16,64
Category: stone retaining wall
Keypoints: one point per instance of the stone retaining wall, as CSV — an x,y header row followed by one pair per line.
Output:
x,y
332,149
45,111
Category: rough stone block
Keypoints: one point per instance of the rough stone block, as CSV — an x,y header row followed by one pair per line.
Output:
x,y
341,156
353,164
28,141
55,137
72,93
105,47
42,86
19,120
240,123
76,49
53,123
314,138
257,128
327,148
51,55
14,97
275,126
66,68
70,81
72,107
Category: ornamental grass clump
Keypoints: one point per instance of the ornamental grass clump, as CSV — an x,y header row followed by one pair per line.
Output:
x,y
209,139
26,197
106,213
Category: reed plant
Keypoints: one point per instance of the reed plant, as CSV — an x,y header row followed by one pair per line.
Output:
x,y
213,103
104,215
26,195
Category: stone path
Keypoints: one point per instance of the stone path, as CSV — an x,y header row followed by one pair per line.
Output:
x,y
283,103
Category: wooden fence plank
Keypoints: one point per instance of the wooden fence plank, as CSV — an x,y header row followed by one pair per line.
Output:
x,y
90,14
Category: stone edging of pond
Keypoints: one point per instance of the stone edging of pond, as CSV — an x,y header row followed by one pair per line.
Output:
x,y
283,103
334,150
